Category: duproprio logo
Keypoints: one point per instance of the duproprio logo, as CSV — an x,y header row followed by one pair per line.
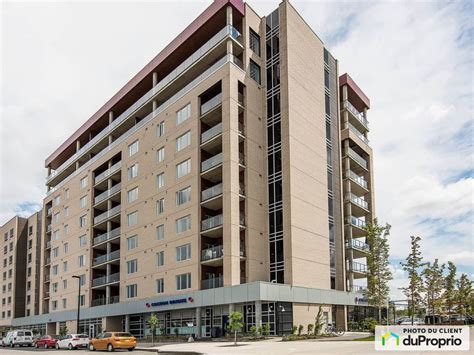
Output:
x,y
389,335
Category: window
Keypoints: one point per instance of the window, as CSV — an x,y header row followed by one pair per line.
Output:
x,y
55,287
160,205
327,104
66,211
83,182
66,194
183,168
29,258
183,196
82,221
28,286
183,224
82,240
133,148
160,285
132,291
83,201
66,247
160,232
82,280
56,235
132,242
160,129
183,141
326,79
30,230
254,42
28,272
160,154
160,258
255,71
160,180
66,230
132,218
30,244
64,266
54,305
64,302
56,217
183,252
183,281
132,171
64,284
55,252
81,260
132,195
132,266
54,270
57,200
183,114
82,300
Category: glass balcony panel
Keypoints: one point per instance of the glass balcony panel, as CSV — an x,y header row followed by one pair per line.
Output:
x,y
212,222
106,194
211,133
106,257
108,172
211,162
211,104
211,192
106,236
103,280
357,200
107,214
357,244
213,283
360,116
357,133
357,158
358,179
357,222
212,253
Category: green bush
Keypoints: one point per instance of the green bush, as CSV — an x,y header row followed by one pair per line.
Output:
x,y
294,329
300,329
253,331
369,324
266,329
310,328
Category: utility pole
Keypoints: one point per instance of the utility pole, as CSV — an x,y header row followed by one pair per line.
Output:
x,y
78,301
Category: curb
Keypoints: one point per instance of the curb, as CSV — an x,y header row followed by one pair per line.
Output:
x,y
157,351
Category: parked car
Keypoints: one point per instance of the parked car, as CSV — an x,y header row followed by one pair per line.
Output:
x,y
113,340
416,321
18,337
47,341
73,341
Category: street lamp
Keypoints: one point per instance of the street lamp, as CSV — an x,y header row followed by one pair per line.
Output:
x,y
78,301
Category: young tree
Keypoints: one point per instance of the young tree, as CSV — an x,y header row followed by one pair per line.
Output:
x,y
235,324
153,323
450,288
434,285
378,266
319,321
463,294
415,288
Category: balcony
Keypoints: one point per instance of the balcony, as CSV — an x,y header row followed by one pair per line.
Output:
x,y
356,114
229,58
108,172
358,289
46,294
48,244
104,300
211,104
106,194
211,192
115,255
49,212
48,261
356,222
357,158
106,215
211,133
46,278
105,280
242,221
358,247
359,134
49,228
212,256
214,282
212,222
212,162
358,201
357,179
359,270
106,236
242,159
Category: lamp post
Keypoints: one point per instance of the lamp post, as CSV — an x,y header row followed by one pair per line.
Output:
x,y
78,301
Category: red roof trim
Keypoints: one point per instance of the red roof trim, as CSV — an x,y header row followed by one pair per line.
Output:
x,y
345,79
205,16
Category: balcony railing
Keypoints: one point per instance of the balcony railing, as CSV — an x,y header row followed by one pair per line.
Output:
x,y
241,128
358,179
106,194
242,220
360,117
108,172
104,280
212,283
106,236
46,278
241,159
212,222
211,104
357,200
211,192
106,258
356,222
107,214
104,300
211,133
48,228
240,96
242,189
221,35
357,157
357,244
48,244
48,261
358,289
50,210
212,253
357,133
358,267
211,162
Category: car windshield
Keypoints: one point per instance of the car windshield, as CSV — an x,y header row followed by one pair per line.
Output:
x,y
20,334
83,336
123,334
28,334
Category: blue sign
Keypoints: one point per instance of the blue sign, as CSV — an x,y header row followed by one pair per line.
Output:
x,y
170,302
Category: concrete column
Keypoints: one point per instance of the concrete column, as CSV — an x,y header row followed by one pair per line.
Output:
x,y
346,119
111,117
78,145
78,165
231,308
127,322
341,317
229,47
258,313
344,93
229,15
198,323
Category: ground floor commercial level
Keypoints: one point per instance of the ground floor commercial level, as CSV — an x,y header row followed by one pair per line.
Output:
x,y
205,313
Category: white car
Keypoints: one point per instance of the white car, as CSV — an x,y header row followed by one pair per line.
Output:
x,y
18,337
416,321
73,341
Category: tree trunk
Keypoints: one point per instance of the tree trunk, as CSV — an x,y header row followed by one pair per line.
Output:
x,y
412,310
235,337
380,315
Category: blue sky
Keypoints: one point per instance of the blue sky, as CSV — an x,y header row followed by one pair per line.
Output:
x,y
413,59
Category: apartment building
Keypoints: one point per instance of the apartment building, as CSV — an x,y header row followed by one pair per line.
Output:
x,y
233,172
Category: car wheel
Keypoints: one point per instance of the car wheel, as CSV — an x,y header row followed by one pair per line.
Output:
x,y
46,345
57,346
36,345
131,349
110,347
91,347
70,347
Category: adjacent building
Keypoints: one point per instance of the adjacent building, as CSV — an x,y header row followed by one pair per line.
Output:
x,y
233,172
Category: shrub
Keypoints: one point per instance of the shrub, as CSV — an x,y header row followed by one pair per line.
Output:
x,y
294,329
253,331
176,331
369,324
318,324
310,328
300,329
266,329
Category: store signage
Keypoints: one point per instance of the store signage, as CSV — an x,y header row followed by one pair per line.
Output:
x,y
170,302
361,300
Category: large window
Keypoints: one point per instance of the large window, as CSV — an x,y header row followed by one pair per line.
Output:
x,y
133,148
160,285
183,252
254,42
132,171
183,281
183,141
183,114
132,218
132,291
160,258
255,71
132,266
132,242
183,224
183,196
160,205
132,195
160,232
183,168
